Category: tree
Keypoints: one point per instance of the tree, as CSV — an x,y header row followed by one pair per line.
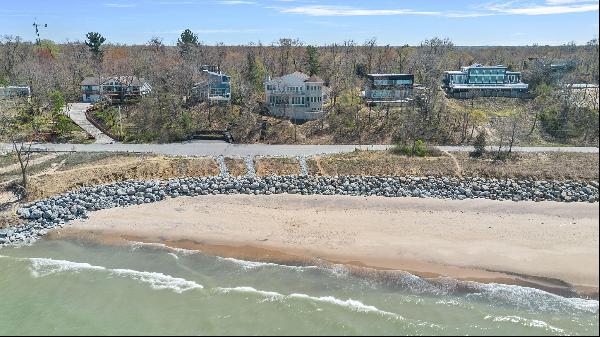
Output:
x,y
57,101
12,52
188,37
286,49
255,73
94,42
510,128
18,133
187,42
314,67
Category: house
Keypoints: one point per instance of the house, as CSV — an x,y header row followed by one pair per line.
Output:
x,y
484,81
389,88
296,96
15,92
215,87
93,89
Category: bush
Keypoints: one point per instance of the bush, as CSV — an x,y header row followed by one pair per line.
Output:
x,y
418,149
479,144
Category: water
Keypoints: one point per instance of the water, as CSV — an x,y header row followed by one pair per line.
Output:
x,y
70,287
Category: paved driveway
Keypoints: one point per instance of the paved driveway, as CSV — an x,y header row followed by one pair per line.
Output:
x,y
76,111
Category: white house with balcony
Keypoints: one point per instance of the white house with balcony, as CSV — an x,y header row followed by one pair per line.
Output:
x,y
296,96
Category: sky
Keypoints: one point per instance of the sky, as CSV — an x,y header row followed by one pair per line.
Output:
x,y
234,22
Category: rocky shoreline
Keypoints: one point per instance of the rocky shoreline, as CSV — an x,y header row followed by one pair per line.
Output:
x,y
41,216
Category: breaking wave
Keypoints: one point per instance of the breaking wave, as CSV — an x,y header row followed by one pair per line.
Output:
x,y
42,267
351,304
531,323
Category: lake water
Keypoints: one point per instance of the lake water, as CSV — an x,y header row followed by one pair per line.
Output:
x,y
70,287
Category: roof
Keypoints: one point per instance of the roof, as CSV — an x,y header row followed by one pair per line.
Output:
x,y
477,65
130,80
295,78
314,79
582,86
22,87
215,73
388,75
90,81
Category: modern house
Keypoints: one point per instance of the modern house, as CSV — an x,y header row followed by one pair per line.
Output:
x,y
296,96
484,81
15,92
389,88
93,89
215,87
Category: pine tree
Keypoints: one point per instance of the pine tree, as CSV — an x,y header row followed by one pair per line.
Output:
x,y
187,41
314,67
94,42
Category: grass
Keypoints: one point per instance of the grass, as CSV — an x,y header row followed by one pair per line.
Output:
x,y
74,160
543,166
7,159
379,163
113,169
277,166
547,166
236,167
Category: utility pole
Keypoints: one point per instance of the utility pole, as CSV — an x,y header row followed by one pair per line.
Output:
x,y
37,30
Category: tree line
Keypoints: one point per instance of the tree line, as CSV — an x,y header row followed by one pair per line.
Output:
x,y
49,67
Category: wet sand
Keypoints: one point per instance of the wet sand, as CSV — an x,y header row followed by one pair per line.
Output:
x,y
553,246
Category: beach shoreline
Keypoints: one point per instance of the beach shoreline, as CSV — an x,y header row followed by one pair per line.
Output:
x,y
550,246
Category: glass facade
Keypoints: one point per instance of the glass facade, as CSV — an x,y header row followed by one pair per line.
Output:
x,y
482,75
392,82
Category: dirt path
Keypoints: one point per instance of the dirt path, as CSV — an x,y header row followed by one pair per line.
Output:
x,y
459,171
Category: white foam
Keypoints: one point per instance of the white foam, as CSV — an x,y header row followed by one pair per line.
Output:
x,y
158,280
250,290
45,267
351,304
136,245
41,267
248,265
174,256
532,298
534,323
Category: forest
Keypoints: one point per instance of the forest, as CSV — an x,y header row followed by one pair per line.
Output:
x,y
553,115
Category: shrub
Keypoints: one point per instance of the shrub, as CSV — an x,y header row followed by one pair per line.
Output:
x,y
418,149
479,144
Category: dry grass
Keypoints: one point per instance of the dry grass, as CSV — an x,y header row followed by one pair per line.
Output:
x,y
276,166
558,166
119,169
236,167
542,166
376,163
87,170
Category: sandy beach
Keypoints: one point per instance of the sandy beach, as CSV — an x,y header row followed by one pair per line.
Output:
x,y
548,245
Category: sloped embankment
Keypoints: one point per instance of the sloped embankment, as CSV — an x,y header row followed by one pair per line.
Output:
x,y
120,169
